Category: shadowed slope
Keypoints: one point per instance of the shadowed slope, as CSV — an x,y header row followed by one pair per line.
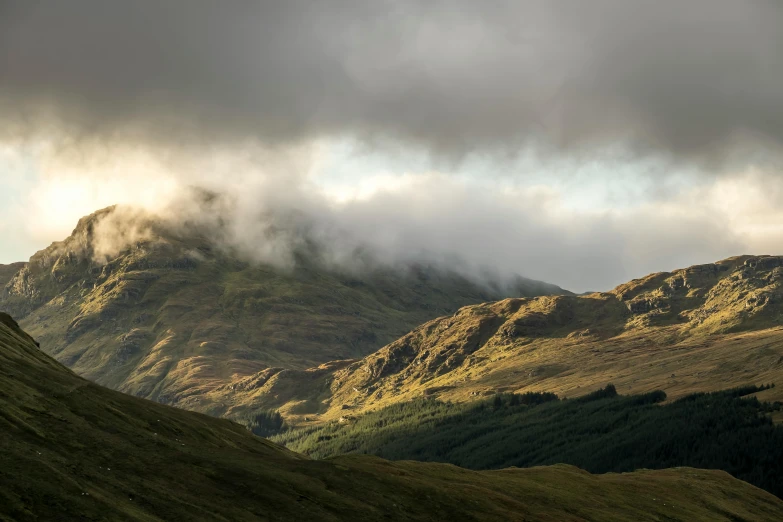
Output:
x,y
72,449
598,432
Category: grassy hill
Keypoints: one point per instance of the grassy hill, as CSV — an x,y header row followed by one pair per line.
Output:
x,y
74,450
599,432
168,315
699,329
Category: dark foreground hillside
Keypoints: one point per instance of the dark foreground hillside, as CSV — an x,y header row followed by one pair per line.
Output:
x,y
74,450
600,432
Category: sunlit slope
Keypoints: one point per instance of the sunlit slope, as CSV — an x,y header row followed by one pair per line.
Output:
x,y
704,328
74,450
172,315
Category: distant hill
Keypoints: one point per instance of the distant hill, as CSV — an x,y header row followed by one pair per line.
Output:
x,y
703,328
163,312
74,450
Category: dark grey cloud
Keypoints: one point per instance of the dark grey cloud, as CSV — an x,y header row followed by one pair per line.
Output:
x,y
683,78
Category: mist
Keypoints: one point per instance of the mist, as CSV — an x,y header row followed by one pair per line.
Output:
x,y
470,225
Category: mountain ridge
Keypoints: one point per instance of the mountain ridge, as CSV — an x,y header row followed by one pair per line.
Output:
x,y
682,332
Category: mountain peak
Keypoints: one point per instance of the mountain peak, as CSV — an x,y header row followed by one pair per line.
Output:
x,y
162,311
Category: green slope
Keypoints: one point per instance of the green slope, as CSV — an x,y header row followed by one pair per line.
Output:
x,y
74,450
170,315
600,432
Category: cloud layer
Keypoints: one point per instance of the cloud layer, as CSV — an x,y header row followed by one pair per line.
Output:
x,y
468,224
683,78
105,102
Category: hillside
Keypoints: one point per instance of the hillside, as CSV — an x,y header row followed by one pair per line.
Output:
x,y
703,328
9,271
73,449
161,312
599,432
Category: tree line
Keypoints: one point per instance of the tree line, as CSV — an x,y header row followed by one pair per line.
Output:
x,y
600,432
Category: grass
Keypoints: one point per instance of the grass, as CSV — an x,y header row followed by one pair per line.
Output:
x,y
74,450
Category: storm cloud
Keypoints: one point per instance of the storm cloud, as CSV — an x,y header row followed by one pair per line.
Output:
x,y
692,79
583,143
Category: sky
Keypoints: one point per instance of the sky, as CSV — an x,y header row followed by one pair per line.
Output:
x,y
582,143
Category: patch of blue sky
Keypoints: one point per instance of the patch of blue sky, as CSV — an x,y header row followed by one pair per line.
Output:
x,y
610,181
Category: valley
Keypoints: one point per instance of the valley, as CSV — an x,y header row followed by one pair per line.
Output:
x,y
72,450
599,432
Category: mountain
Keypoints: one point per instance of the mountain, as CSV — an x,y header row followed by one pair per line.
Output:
x,y
162,312
74,450
698,329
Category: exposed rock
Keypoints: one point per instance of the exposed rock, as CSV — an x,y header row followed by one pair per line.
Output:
x,y
642,306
